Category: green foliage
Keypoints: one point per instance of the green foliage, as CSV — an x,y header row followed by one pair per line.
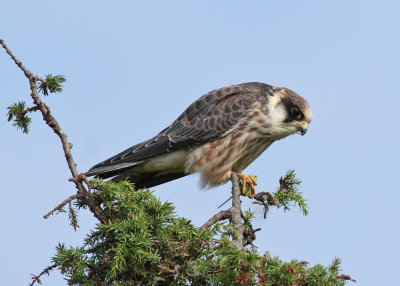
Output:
x,y
288,193
17,113
297,273
52,84
144,242
73,217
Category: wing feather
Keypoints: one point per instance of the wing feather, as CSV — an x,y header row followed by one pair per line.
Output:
x,y
208,118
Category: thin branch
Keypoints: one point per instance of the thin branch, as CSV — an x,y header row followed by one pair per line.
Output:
x,y
222,215
224,202
28,74
60,206
23,113
81,177
52,122
345,277
266,199
36,278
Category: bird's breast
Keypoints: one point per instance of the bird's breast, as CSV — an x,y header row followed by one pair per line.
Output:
x,y
217,159
237,149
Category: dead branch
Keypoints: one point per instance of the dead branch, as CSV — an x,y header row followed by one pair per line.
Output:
x,y
266,199
345,277
53,124
60,206
36,278
222,215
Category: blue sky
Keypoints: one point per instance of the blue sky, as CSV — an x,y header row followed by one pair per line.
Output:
x,y
132,67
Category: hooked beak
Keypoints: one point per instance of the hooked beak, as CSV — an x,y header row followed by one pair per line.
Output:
x,y
302,127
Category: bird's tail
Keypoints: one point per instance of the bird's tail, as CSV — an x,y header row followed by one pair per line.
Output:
x,y
148,180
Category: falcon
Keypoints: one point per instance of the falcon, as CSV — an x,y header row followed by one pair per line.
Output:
x,y
220,133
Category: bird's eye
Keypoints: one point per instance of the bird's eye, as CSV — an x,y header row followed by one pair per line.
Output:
x,y
296,113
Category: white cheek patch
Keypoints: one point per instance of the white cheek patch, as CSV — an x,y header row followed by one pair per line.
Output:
x,y
276,111
277,115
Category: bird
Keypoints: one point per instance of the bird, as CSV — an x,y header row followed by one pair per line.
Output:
x,y
222,132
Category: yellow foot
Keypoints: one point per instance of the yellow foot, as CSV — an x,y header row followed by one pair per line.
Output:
x,y
248,181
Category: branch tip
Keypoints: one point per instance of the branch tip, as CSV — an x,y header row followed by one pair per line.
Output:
x,y
54,85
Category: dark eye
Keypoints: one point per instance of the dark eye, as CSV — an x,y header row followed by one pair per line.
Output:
x,y
296,113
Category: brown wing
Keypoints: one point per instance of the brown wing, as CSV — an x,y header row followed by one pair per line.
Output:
x,y
208,118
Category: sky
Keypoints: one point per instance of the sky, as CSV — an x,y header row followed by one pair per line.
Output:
x,y
132,67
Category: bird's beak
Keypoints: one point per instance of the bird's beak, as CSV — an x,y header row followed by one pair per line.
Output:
x,y
302,127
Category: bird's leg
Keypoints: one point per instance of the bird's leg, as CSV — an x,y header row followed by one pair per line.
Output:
x,y
251,181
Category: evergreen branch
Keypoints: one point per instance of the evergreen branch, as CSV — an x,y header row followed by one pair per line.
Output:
x,y
17,113
60,206
15,109
52,84
288,193
73,216
54,125
31,109
145,243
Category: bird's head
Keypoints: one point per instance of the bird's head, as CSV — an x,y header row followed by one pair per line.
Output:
x,y
290,112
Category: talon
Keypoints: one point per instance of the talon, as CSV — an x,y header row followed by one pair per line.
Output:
x,y
251,181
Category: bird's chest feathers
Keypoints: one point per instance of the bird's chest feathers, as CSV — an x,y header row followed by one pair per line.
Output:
x,y
217,159
239,147
235,151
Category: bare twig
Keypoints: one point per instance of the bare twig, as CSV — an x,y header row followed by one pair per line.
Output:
x,y
224,202
60,206
85,179
81,177
52,122
345,277
36,278
266,199
217,217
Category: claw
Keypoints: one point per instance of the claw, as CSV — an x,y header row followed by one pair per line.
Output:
x,y
250,181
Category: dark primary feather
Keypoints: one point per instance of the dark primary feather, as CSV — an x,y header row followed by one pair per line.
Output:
x,y
148,180
208,118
